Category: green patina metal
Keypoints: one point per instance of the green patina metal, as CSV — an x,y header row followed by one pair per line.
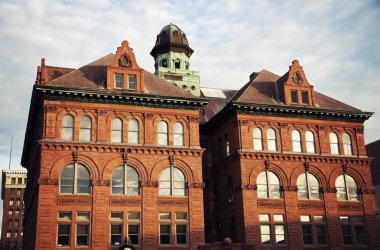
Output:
x,y
172,59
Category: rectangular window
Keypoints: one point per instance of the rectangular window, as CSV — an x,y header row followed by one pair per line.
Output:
x,y
181,216
165,234
165,216
82,235
83,216
305,97
18,202
133,215
119,81
272,230
353,230
12,191
307,234
10,212
13,180
313,230
347,234
116,235
18,191
134,234
64,215
8,234
294,96
19,180
11,201
116,215
63,235
181,234
132,82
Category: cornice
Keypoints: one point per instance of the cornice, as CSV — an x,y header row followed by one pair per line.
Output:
x,y
312,158
300,112
119,148
119,97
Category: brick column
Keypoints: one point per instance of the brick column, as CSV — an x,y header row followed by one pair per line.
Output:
x,y
196,218
149,218
332,216
293,218
370,211
103,131
100,213
46,218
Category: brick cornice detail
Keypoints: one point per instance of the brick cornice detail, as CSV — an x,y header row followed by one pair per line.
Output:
x,y
311,204
196,185
53,182
101,183
50,108
350,205
368,191
249,187
290,188
149,184
123,201
172,202
256,155
329,190
73,201
270,203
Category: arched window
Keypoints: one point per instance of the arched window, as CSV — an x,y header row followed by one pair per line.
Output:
x,y
230,189
163,138
257,139
334,145
308,187
117,130
271,139
226,145
268,185
178,134
67,131
75,179
310,144
133,132
296,141
172,182
125,181
85,129
346,188
347,147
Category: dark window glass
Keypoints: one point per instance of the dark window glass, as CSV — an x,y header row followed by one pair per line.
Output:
x,y
294,96
347,234
165,234
116,235
321,235
131,81
119,80
177,64
133,234
19,181
305,97
63,235
181,234
82,235
307,235
360,235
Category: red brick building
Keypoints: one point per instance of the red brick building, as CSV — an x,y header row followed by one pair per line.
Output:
x,y
13,185
116,152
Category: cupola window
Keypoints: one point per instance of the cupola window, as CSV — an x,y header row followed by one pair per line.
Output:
x,y
177,64
305,97
294,96
132,82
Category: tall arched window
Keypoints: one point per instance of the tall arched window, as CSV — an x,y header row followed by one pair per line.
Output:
x,y
117,130
347,147
308,187
85,128
178,134
346,188
133,131
296,141
230,189
257,139
334,145
163,136
172,182
268,185
67,131
75,179
271,139
310,144
226,145
125,181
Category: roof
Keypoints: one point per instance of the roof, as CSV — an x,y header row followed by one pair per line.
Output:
x,y
94,75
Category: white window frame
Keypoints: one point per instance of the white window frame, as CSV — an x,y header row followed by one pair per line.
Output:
x,y
83,129
125,180
75,188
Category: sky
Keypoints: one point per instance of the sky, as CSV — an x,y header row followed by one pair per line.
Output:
x,y
336,42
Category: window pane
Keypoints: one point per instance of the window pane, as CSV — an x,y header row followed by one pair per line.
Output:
x,y
116,235
294,96
133,131
305,97
347,235
83,216
321,235
133,215
181,216
305,218
119,80
265,234
347,144
63,235
67,134
278,217
280,234
64,215
132,82
134,234
307,235
296,140
165,216
165,234
82,235
181,234
334,143
264,217
116,215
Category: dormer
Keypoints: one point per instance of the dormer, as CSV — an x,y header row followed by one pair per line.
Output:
x,y
124,73
294,89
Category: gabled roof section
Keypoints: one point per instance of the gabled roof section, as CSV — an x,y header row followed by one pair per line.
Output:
x,y
260,89
94,75
90,76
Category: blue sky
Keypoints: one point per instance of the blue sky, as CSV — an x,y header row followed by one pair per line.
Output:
x,y
336,42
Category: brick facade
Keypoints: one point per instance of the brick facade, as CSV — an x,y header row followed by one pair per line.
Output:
x,y
214,151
